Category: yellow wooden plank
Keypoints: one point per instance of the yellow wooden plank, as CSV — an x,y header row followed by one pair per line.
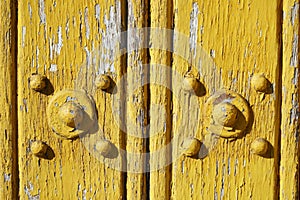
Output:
x,y
289,163
8,100
69,42
160,99
136,101
225,43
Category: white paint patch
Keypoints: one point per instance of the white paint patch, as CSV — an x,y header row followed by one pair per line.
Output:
x,y
111,39
7,177
28,190
59,44
23,35
194,28
53,68
56,47
67,29
97,12
37,56
88,56
212,53
97,15
86,22
134,37
296,77
294,113
30,10
294,58
42,12
294,13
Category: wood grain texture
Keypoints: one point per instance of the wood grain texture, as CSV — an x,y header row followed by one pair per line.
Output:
x,y
137,100
236,40
289,162
160,99
70,42
8,97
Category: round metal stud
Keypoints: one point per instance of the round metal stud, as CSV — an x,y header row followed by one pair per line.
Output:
x,y
38,82
191,146
227,114
261,84
104,147
39,148
71,113
191,84
259,146
102,82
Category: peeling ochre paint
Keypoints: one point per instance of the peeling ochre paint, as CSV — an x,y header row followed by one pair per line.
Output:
x,y
294,58
53,68
56,47
110,39
7,177
237,52
294,13
86,22
28,189
42,12
194,28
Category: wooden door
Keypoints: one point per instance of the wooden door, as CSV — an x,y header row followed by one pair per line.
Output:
x,y
151,99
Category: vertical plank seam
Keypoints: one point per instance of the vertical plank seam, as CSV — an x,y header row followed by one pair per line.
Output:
x,y
279,100
14,36
148,92
123,138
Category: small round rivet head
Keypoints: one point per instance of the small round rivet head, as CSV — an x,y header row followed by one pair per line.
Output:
x,y
259,146
191,84
39,148
71,114
260,83
102,82
225,114
191,146
104,147
38,82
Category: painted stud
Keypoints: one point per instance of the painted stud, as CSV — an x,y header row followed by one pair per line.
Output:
x,y
39,148
259,146
191,84
225,114
191,147
38,82
103,82
260,83
71,114
104,147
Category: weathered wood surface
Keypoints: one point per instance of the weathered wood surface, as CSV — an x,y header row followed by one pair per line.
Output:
x,y
8,114
222,43
63,40
289,163
242,38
